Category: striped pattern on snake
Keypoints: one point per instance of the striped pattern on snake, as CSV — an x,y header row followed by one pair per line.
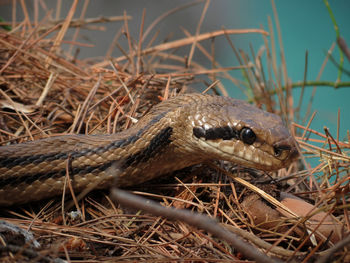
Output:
x,y
177,133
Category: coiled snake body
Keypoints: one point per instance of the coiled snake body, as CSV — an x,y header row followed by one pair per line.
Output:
x,y
177,133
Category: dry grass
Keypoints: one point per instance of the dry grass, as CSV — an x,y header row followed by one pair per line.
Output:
x,y
44,90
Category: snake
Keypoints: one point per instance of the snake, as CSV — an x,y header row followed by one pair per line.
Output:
x,y
179,132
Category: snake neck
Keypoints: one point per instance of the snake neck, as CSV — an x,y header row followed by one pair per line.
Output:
x,y
38,169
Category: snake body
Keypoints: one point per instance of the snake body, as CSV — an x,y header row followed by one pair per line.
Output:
x,y
177,133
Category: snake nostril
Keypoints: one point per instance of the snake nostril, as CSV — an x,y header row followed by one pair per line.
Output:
x,y
278,150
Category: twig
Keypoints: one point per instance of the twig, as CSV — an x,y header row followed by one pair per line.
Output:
x,y
166,14
189,40
31,253
311,83
193,219
205,8
330,252
57,42
76,22
342,45
337,33
321,84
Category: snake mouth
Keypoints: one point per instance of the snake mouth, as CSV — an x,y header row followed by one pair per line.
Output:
x,y
242,154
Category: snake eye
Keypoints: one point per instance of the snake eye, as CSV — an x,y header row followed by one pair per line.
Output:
x,y
248,136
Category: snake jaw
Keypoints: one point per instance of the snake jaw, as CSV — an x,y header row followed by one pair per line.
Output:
x,y
227,150
248,156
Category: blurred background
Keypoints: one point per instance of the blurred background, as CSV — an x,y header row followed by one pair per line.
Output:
x,y
305,26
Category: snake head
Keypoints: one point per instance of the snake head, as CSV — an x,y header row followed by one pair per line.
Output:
x,y
233,130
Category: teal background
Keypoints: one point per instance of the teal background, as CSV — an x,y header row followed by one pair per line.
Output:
x,y
306,26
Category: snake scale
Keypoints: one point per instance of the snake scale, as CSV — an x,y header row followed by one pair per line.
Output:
x,y
179,132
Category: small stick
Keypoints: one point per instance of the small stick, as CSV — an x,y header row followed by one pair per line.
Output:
x,y
193,219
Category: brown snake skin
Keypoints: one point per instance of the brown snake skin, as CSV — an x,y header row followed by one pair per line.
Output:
x,y
182,131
